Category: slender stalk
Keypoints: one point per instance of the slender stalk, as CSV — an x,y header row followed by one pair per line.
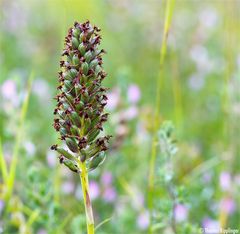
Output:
x,y
151,179
86,198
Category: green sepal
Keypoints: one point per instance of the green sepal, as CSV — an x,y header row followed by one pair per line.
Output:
x,y
75,60
69,98
76,119
65,106
94,63
76,32
98,69
73,73
71,165
63,131
85,68
96,161
82,49
75,42
65,153
87,123
67,76
72,145
74,130
90,33
80,106
88,56
93,134
68,84
91,151
82,37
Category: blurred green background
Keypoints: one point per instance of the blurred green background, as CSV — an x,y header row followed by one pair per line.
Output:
x,y
199,93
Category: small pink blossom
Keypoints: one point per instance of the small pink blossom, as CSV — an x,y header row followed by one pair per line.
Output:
x,y
68,187
207,177
41,231
106,178
225,181
109,194
133,93
228,205
113,99
143,220
130,113
30,148
2,204
211,224
94,189
180,213
9,89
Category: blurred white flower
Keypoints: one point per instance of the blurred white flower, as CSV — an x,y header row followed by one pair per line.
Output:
x,y
196,82
41,89
138,201
199,54
133,93
51,158
238,61
30,148
130,113
180,213
209,18
237,179
15,17
68,187
9,90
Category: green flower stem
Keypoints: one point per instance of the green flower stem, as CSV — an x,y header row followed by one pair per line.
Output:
x,y
86,197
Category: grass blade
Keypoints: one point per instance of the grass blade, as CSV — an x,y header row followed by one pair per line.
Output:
x,y
12,171
3,164
168,17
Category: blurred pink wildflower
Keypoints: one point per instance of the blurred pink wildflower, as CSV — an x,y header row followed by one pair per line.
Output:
x,y
210,224
9,90
113,99
94,189
106,178
143,220
180,213
68,187
109,194
228,205
225,181
133,93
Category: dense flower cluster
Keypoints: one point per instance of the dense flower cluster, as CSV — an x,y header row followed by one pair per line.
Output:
x,y
81,98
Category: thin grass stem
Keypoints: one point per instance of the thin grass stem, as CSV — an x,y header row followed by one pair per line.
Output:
x,y
151,179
